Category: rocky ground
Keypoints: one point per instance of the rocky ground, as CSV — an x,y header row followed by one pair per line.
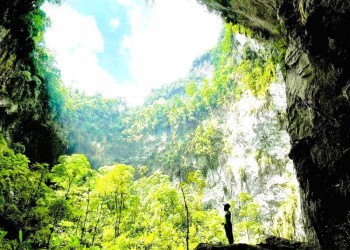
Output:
x,y
271,243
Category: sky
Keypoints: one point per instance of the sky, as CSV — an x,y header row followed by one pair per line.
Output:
x,y
128,47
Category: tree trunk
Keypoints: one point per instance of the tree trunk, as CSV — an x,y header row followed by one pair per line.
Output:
x,y
118,216
83,230
32,201
51,232
120,213
97,221
187,219
68,188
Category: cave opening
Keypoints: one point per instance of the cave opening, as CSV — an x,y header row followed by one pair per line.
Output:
x,y
194,130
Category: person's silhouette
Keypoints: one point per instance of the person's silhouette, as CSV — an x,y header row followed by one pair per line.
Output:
x,y
228,223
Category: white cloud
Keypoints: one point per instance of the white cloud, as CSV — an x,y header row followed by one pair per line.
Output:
x,y
164,41
166,38
114,24
76,40
70,30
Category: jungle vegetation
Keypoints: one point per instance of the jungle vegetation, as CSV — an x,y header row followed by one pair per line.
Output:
x,y
133,177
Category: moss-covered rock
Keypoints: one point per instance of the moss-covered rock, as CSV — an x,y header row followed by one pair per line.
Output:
x,y
26,118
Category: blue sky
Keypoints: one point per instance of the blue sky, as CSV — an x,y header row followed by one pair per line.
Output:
x,y
112,21
126,47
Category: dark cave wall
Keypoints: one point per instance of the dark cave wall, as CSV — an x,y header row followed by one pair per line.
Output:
x,y
318,91
317,79
26,120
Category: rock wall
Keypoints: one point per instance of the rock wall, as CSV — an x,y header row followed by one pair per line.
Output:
x,y
317,80
270,243
26,120
317,62
258,163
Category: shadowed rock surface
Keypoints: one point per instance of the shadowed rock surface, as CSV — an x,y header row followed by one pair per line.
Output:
x,y
26,116
271,243
317,63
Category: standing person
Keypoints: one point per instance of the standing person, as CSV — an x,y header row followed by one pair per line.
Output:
x,y
228,223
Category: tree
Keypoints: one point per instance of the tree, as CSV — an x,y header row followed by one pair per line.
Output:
x,y
207,144
248,224
58,210
115,184
69,170
17,186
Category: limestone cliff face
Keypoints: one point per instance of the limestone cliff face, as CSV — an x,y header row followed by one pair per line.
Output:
x,y
317,87
258,163
25,116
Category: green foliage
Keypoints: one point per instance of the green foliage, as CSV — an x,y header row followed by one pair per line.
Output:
x,y
257,71
27,116
107,209
174,120
23,196
58,210
247,223
95,125
69,170
240,29
284,222
3,144
2,235
206,143
14,187
73,206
